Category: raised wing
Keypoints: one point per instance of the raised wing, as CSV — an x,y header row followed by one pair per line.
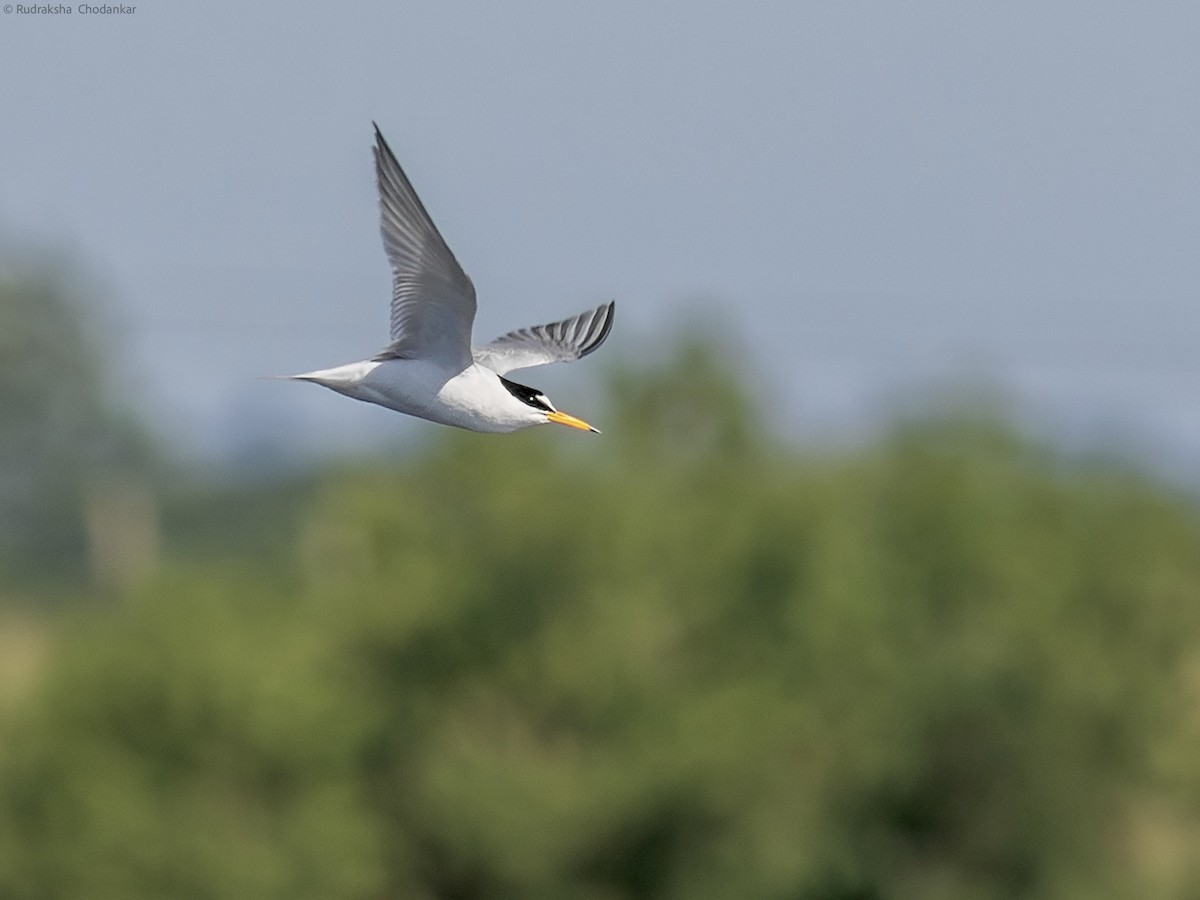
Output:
x,y
433,300
538,345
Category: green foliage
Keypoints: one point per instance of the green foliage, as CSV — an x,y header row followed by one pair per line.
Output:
x,y
59,425
680,664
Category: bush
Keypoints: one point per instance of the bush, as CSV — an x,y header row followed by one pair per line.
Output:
x,y
950,666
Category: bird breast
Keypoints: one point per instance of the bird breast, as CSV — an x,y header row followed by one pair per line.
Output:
x,y
473,398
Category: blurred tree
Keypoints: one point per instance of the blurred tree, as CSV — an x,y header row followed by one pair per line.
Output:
x,y
60,430
949,666
691,404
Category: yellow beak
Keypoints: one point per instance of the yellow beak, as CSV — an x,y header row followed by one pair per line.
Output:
x,y
561,418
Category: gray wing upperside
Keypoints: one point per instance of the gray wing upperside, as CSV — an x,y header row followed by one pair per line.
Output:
x,y
433,300
538,345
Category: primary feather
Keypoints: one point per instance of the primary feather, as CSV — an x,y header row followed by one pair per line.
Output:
x,y
537,345
433,300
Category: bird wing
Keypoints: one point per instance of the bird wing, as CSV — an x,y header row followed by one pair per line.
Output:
x,y
538,345
433,300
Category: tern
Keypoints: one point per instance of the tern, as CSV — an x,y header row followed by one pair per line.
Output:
x,y
431,369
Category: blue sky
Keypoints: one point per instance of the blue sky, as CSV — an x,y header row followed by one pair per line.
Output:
x,y
878,194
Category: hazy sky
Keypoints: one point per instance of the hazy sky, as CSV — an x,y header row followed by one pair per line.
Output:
x,y
878,193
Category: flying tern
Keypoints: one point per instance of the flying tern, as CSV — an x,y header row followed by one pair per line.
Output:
x,y
431,369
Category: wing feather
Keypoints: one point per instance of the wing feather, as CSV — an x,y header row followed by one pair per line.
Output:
x,y
538,345
433,300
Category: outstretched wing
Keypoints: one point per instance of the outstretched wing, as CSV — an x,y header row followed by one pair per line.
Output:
x,y
538,345
433,300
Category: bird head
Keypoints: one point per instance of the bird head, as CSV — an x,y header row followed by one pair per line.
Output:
x,y
545,411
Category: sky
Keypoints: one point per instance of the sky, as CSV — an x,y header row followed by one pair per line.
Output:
x,y
873,196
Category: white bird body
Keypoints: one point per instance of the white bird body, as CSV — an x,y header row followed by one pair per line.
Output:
x,y
430,370
474,398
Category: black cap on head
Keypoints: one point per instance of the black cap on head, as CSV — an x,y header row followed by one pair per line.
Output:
x,y
527,395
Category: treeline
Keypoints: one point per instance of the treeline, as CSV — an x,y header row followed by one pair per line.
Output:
x,y
680,662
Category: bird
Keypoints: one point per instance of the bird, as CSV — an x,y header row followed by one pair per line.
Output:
x,y
430,369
